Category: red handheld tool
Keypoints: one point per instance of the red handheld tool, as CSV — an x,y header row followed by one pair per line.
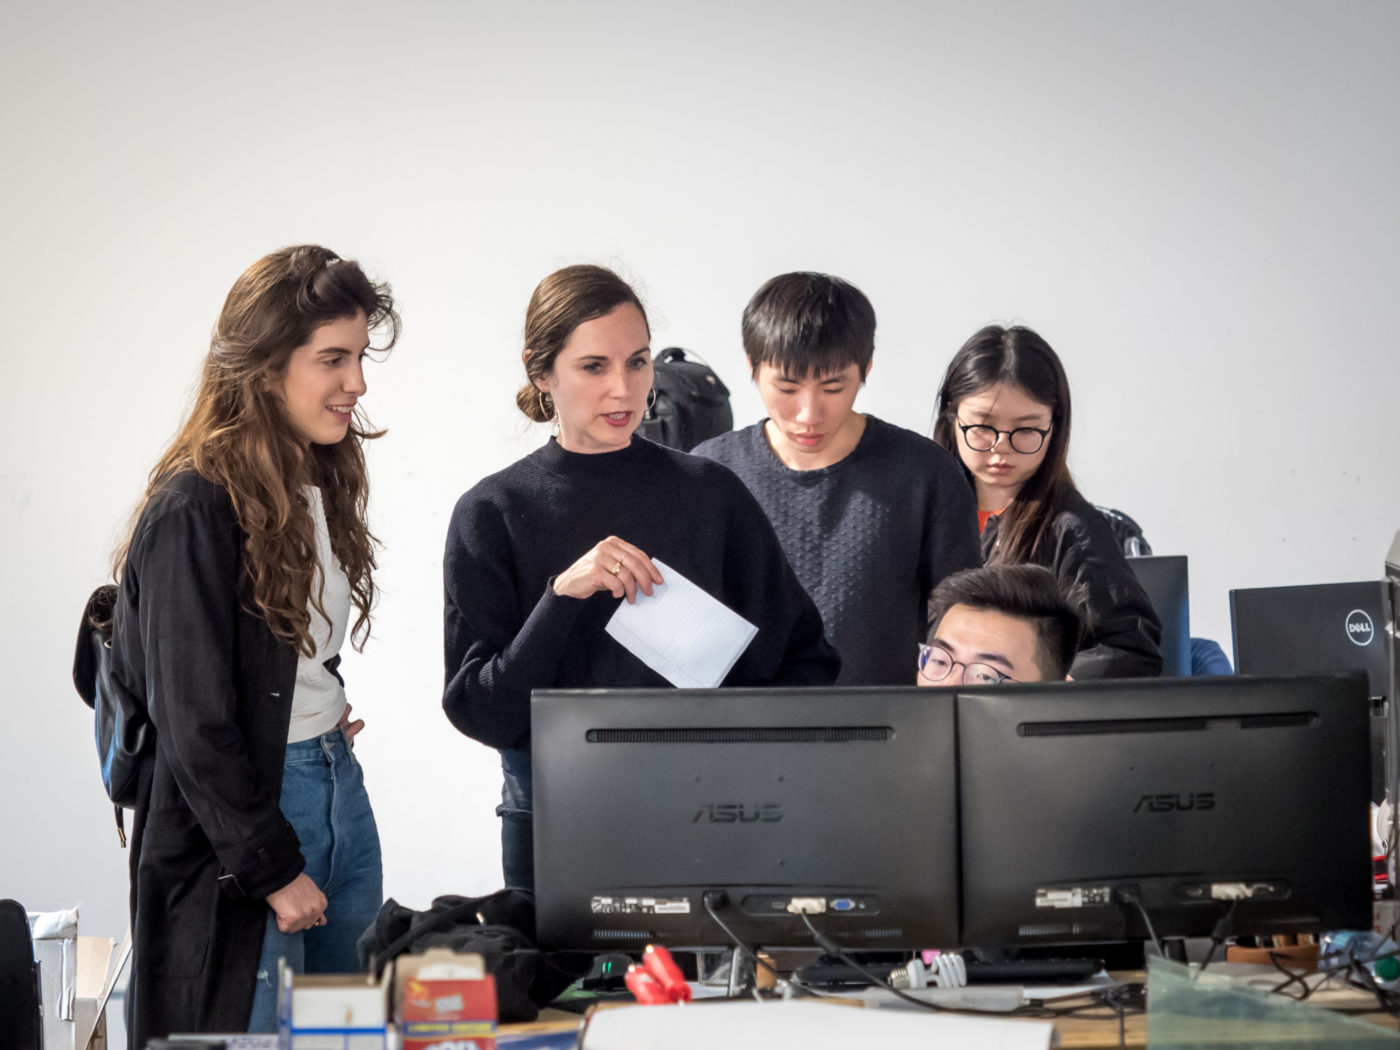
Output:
x,y
658,979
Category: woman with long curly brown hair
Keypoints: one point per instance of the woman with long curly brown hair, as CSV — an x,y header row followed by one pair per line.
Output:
x,y
254,838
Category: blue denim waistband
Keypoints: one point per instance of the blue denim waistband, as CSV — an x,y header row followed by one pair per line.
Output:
x,y
324,749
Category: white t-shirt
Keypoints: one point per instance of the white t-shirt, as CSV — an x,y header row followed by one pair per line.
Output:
x,y
319,697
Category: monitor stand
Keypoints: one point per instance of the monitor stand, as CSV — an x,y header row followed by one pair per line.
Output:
x,y
743,974
1174,948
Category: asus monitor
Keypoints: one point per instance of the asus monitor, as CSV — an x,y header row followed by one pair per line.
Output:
x,y
1183,794
841,800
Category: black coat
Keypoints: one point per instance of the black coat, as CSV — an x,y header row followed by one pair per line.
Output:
x,y
209,841
1080,548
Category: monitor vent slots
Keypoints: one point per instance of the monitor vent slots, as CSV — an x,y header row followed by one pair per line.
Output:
x,y
743,735
1203,724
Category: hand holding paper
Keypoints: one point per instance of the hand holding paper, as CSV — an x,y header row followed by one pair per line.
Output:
x,y
681,632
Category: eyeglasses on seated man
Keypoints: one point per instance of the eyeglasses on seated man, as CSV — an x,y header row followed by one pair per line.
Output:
x,y
999,624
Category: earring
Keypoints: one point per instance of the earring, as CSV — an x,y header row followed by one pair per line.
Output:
x,y
651,401
545,410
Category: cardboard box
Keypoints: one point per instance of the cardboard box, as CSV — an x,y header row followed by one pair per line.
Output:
x,y
332,1011
445,1001
74,981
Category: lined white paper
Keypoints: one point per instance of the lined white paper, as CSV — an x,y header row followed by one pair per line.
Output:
x,y
682,632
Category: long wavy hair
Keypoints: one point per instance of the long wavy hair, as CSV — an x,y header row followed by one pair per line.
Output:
x,y
238,436
1021,358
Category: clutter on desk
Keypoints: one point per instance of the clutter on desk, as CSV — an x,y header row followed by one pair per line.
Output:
x,y
499,927
76,977
1186,1007
658,981
444,1000
331,1011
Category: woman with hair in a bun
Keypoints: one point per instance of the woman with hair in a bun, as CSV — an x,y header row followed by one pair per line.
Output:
x,y
540,554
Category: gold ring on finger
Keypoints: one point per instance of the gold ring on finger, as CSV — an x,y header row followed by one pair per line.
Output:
x,y
616,567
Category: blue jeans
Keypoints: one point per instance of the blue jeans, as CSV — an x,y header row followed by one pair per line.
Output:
x,y
517,818
324,799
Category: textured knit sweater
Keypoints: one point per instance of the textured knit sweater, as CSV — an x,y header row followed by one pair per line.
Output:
x,y
507,632
869,537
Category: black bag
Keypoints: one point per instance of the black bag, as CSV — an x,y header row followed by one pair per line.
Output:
x,y
1127,532
499,927
122,727
691,405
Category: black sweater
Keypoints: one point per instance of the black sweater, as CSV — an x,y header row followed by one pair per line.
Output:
x,y
505,630
869,536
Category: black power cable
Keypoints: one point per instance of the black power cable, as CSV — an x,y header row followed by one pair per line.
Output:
x,y
715,899
1221,931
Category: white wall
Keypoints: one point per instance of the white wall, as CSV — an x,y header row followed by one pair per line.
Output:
x,y
1196,203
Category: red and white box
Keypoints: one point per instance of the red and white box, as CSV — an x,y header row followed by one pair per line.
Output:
x,y
446,1001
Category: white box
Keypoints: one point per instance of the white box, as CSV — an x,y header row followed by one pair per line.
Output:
x,y
332,1011
73,974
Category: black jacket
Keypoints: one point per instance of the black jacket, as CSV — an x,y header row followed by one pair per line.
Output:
x,y
209,841
1080,548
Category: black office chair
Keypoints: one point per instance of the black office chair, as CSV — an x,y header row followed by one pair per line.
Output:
x,y
21,1017
1127,532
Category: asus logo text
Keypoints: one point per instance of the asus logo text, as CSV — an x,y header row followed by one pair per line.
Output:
x,y
737,813
1199,801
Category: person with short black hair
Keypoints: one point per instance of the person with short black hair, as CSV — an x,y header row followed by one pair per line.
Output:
x,y
871,515
1002,623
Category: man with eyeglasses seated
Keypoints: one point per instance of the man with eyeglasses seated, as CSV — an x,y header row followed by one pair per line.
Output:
x,y
1002,623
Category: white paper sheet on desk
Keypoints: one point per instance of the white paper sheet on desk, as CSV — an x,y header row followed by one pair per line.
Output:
x,y
812,1026
681,632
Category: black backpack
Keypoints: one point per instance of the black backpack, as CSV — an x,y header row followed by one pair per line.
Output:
x,y
499,926
691,406
122,727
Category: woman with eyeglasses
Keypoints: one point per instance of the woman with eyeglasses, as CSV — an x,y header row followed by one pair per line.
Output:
x,y
540,555
1004,409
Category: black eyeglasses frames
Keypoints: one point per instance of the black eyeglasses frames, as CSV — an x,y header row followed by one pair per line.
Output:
x,y
982,438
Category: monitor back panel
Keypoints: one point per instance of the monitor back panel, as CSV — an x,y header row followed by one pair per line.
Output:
x,y
1324,627
1167,791
644,800
1164,578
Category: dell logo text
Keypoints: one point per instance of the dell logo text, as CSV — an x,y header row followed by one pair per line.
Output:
x,y
1360,629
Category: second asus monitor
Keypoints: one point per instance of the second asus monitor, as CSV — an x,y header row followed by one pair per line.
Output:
x,y
928,818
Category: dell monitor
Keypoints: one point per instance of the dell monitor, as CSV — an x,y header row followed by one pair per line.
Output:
x,y
649,804
1184,794
1164,578
1322,627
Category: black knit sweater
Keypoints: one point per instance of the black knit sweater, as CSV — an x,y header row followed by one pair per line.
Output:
x,y
505,630
869,536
